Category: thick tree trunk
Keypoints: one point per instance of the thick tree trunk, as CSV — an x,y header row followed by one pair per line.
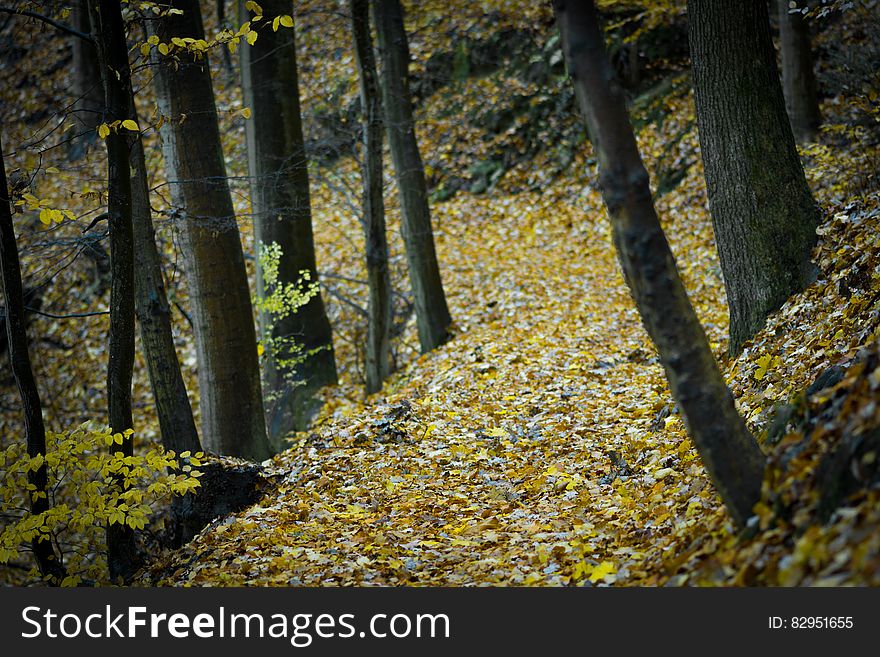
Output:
x,y
378,334
432,313
88,106
109,31
229,378
47,560
282,215
151,304
798,78
729,452
762,211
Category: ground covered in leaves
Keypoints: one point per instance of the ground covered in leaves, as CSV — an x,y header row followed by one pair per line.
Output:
x,y
540,446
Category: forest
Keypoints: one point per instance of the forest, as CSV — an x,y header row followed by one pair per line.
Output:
x,y
440,293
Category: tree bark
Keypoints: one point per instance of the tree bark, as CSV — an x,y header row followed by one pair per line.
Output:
x,y
88,105
798,78
281,209
729,453
151,305
48,561
378,334
432,313
109,31
763,214
229,378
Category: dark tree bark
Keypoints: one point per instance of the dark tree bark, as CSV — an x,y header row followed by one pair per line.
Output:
x,y
229,377
151,304
378,334
763,214
109,31
88,106
281,208
798,78
48,561
728,451
432,313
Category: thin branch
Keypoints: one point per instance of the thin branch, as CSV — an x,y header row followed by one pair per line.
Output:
x,y
49,21
71,316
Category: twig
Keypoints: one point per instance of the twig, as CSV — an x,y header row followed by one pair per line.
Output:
x,y
48,21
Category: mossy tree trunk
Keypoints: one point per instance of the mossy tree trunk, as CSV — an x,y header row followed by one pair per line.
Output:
x,y
230,395
728,451
173,408
378,363
432,312
798,78
48,561
763,214
281,208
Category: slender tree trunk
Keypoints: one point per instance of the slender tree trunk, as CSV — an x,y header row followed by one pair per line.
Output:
x,y
282,214
47,560
729,452
109,31
151,304
229,378
798,78
762,211
88,106
378,334
432,313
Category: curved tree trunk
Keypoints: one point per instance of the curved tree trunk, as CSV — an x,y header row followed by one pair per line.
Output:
x,y
728,451
378,334
282,215
432,313
231,402
109,30
762,211
151,305
798,78
47,560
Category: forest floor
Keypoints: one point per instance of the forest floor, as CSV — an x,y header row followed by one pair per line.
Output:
x,y
541,447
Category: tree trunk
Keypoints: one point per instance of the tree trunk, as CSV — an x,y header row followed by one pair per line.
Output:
x,y
151,304
729,452
88,106
763,214
47,560
282,215
798,79
432,313
229,378
109,31
378,334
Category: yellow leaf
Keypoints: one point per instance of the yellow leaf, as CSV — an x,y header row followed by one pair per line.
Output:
x,y
251,37
497,432
103,131
275,22
602,571
128,124
287,21
163,48
145,49
260,349
246,112
46,216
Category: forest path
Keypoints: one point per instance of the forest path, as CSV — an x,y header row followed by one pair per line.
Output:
x,y
522,452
